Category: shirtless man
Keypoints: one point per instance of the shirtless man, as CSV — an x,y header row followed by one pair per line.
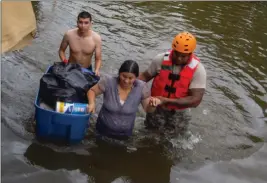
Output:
x,y
82,42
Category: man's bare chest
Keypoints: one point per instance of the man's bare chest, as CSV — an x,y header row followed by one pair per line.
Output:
x,y
82,45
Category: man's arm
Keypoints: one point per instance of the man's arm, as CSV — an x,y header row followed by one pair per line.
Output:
x,y
193,100
152,69
98,54
63,46
145,76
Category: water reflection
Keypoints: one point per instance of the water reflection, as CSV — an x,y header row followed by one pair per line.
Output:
x,y
107,162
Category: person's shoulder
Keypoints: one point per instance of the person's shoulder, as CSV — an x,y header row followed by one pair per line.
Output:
x,y
71,32
96,35
199,78
157,60
159,57
200,70
201,67
143,86
105,79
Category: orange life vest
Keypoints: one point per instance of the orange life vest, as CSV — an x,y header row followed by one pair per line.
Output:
x,y
169,85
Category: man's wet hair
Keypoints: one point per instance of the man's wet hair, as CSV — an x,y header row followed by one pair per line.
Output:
x,y
84,14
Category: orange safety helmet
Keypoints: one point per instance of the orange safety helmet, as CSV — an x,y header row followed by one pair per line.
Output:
x,y
184,42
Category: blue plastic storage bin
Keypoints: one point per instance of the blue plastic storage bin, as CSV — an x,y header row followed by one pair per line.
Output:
x,y
59,127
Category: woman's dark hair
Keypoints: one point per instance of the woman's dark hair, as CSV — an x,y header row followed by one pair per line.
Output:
x,y
129,66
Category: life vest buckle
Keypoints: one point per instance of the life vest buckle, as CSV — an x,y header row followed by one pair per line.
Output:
x,y
170,89
174,77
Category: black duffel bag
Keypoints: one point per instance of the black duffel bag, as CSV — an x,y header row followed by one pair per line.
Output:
x,y
66,83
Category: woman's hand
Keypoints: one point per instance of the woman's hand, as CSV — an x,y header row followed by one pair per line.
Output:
x,y
91,108
154,102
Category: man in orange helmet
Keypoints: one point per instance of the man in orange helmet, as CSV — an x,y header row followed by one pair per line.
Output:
x,y
179,82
